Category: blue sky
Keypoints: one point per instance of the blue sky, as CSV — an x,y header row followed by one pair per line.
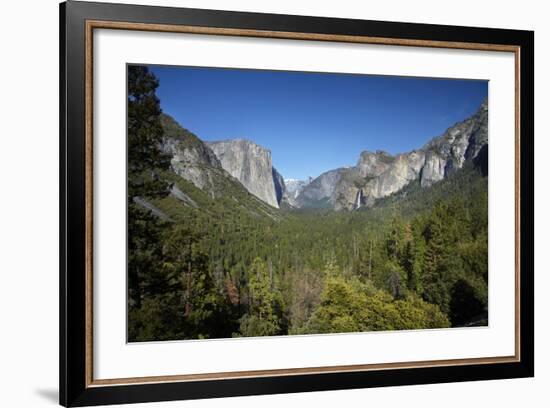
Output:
x,y
314,122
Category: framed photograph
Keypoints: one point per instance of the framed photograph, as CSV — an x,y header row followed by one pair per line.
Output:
x,y
256,204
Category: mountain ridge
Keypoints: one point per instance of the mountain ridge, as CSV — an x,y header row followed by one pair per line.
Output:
x,y
376,174
379,174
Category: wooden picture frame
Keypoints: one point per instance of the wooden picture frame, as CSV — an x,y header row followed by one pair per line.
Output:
x,y
78,20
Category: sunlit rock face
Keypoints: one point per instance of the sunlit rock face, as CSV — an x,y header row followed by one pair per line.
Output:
x,y
251,165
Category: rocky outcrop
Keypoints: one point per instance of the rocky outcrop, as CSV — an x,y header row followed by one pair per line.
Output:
x,y
433,169
461,142
251,165
293,188
319,192
181,196
280,186
379,174
150,207
373,164
191,159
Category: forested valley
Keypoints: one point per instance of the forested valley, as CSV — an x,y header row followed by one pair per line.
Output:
x,y
216,262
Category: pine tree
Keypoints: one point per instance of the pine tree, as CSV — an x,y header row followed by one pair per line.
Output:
x,y
261,319
188,266
441,266
395,238
145,161
145,133
413,257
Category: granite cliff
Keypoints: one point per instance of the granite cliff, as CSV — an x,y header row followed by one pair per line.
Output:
x,y
251,165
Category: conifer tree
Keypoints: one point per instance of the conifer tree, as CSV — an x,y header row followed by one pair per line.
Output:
x,y
261,319
145,161
441,266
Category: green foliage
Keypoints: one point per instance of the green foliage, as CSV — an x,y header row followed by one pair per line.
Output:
x,y
467,300
255,326
145,132
351,306
190,306
145,160
187,265
158,318
261,319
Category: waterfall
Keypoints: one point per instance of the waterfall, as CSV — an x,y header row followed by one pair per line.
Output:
x,y
359,199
